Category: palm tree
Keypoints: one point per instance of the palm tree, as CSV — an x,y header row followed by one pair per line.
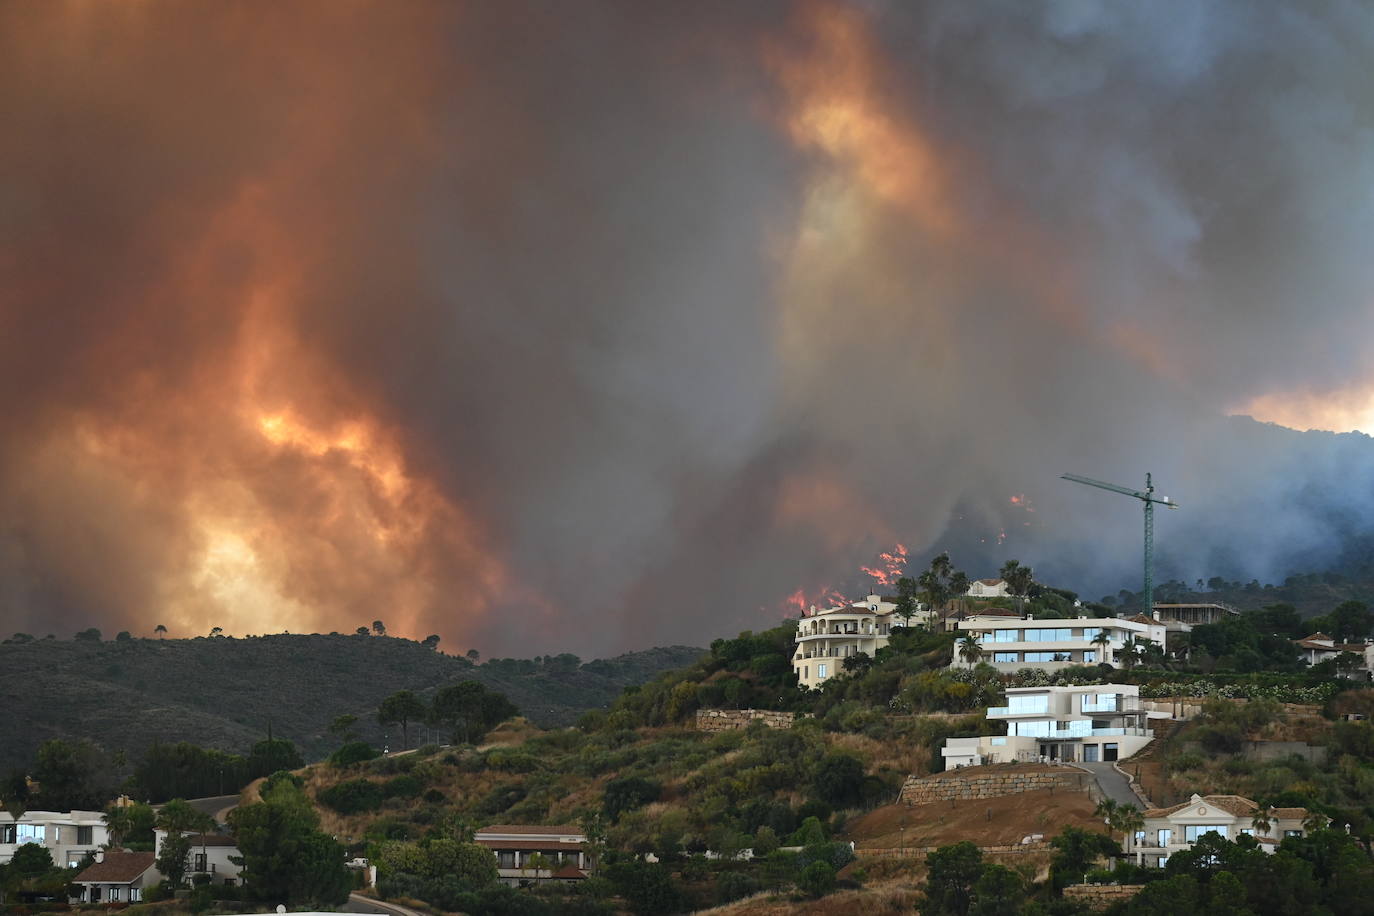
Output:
x,y
217,631
969,650
1130,820
1118,817
119,823
160,630
958,584
1103,641
1315,821
1262,820
1019,579
1129,654
379,628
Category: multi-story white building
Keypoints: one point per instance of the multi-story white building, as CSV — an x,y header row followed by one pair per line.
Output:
x,y
826,638
68,835
1169,830
989,588
1009,643
1090,723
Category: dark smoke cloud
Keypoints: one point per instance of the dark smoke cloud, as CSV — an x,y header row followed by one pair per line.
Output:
x,y
597,326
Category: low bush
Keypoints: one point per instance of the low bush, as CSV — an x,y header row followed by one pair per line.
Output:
x,y
353,796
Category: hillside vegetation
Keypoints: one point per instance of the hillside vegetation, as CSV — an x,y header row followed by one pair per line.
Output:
x,y
224,693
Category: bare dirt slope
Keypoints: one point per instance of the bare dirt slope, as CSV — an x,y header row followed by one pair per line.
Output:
x,y
985,822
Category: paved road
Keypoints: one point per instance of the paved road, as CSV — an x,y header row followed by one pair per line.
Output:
x,y
217,806
1113,784
357,903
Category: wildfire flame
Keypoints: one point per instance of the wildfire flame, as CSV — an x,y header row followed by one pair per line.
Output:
x,y
891,566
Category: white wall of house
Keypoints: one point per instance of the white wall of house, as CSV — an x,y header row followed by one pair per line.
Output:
x,y
1169,830
1010,643
67,835
825,639
212,858
1090,723
515,847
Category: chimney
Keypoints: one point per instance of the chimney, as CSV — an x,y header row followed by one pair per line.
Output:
x,y
100,855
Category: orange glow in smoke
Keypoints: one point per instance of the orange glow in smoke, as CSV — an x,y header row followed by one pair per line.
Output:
x,y
1339,411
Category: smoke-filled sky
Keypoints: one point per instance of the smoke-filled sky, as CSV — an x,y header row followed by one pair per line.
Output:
x,y
590,326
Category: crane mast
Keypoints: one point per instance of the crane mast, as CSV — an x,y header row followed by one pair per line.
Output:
x,y
1148,497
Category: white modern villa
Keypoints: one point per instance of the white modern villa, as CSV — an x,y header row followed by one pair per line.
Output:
x,y
1009,643
68,835
1170,830
529,854
826,638
1090,723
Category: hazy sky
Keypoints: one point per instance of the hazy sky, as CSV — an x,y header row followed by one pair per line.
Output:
x,y
589,326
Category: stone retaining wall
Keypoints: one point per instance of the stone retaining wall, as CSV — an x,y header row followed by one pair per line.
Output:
x,y
724,720
1101,896
920,852
988,782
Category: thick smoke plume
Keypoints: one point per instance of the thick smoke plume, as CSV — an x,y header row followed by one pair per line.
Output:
x,y
581,327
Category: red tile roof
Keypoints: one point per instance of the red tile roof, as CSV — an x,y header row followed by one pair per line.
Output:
x,y
118,868
569,871
560,829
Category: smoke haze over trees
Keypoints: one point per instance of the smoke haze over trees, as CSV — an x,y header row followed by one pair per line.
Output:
x,y
546,328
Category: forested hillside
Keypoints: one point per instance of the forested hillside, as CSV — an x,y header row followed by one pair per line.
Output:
x,y
224,693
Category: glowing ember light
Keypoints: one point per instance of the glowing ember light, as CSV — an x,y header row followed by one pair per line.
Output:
x,y
893,565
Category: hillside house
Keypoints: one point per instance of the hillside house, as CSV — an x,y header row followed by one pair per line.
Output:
x,y
1010,643
68,836
1169,830
989,588
530,854
1319,647
1195,614
1088,723
826,638
210,856
116,877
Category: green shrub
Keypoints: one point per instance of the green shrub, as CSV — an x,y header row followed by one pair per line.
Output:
x,y
732,885
406,786
817,879
353,752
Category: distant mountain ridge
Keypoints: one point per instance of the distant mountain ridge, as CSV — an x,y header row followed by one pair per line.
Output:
x,y
224,692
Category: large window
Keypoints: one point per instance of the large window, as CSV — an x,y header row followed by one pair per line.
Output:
x,y
1099,702
84,836
1192,832
1006,635
1090,632
1047,635
1166,836
1047,656
6,833
1032,729
28,833
1024,704
821,670
1002,658
1089,658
